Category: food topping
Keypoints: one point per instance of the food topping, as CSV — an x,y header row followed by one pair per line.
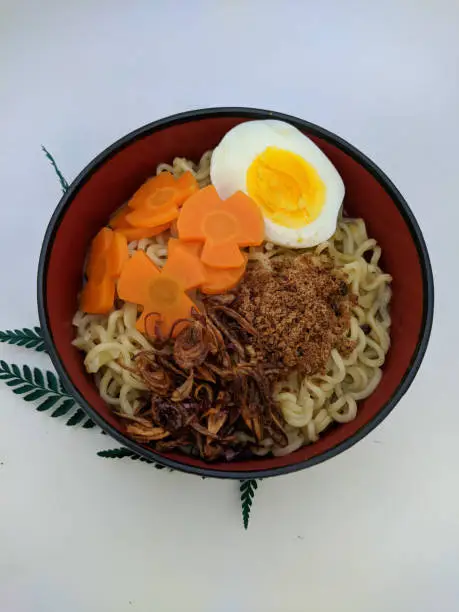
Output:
x,y
159,199
207,383
161,293
217,280
154,206
107,257
296,186
300,308
223,226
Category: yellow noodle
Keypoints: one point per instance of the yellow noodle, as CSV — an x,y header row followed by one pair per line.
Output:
x,y
347,380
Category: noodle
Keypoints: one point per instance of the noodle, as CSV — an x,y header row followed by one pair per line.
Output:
x,y
313,403
309,404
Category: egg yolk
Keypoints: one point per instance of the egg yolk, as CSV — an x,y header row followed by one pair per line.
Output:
x,y
287,188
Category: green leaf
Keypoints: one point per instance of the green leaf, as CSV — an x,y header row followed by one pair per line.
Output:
x,y
120,453
48,403
51,380
29,338
63,182
67,405
38,377
247,490
13,383
45,388
115,453
37,394
27,373
23,389
76,418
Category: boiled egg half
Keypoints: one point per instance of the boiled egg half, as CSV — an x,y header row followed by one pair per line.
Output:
x,y
297,188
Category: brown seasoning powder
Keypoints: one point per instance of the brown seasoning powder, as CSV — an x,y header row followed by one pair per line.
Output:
x,y
300,309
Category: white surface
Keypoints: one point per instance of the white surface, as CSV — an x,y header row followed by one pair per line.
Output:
x,y
376,529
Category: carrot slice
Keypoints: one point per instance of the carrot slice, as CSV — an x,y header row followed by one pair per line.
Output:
x,y
107,257
168,304
220,281
222,256
101,242
137,233
141,196
224,226
251,230
118,254
118,220
161,207
135,277
97,297
99,247
184,265
162,296
186,185
217,280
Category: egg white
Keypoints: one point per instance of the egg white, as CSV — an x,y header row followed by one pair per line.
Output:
x,y
244,143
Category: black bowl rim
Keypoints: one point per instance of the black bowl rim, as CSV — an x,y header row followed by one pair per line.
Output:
x,y
249,113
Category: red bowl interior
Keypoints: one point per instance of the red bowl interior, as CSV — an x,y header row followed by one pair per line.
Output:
x,y
109,181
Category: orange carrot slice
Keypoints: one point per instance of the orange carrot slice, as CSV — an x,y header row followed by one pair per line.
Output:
x,y
107,257
141,196
223,225
159,208
118,255
162,296
97,297
135,277
222,255
99,248
183,265
118,220
168,304
186,185
217,280
138,233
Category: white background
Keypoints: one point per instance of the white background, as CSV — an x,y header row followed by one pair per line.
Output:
x,y
376,529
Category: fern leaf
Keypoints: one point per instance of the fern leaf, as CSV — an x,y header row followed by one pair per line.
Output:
x,y
60,176
12,383
76,418
115,453
120,453
44,388
27,372
38,377
29,338
64,408
34,395
23,389
48,403
247,490
51,381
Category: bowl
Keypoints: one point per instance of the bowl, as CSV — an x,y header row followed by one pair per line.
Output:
x,y
111,178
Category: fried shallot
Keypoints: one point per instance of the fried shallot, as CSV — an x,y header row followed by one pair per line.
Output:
x,y
210,387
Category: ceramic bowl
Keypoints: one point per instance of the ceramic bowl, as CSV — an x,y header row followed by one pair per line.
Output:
x,y
113,176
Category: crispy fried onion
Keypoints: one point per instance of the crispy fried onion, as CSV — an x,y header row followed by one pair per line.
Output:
x,y
208,385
